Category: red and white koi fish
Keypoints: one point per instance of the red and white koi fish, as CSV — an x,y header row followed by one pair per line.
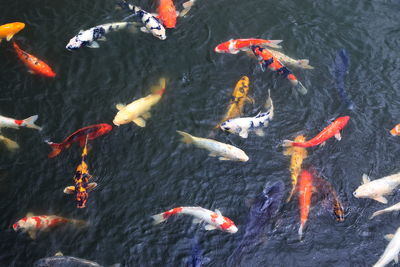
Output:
x,y
331,130
32,224
13,123
214,220
235,46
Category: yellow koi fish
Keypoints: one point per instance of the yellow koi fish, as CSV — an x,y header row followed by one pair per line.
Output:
x,y
239,97
298,155
10,144
9,30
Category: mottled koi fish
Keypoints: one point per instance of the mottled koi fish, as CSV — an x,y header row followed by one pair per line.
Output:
x,y
330,197
235,46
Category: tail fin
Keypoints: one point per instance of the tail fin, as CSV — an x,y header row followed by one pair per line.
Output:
x,y
287,143
187,138
160,88
290,195
376,213
304,63
10,144
186,7
57,148
158,218
270,105
301,232
30,122
302,90
80,223
274,43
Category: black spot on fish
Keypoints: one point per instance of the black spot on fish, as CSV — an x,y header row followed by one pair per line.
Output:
x,y
284,71
251,124
98,32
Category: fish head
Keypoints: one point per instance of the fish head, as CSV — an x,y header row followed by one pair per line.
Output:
x,y
159,32
241,156
222,48
343,121
18,26
229,226
76,42
396,130
16,226
122,117
364,191
230,126
24,223
104,128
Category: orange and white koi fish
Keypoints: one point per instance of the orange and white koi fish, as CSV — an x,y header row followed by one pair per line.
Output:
x,y
9,30
291,62
305,193
35,65
235,46
331,130
396,130
298,155
32,224
13,123
214,220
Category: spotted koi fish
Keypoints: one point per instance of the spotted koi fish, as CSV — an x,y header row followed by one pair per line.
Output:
x,y
81,180
330,197
13,123
267,60
10,29
214,220
237,45
32,224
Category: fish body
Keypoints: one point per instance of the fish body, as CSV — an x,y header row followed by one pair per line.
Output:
x,y
214,220
6,122
291,62
396,130
217,149
242,126
10,29
139,110
378,188
88,38
90,132
237,45
305,194
151,23
32,224
10,144
81,180
332,130
64,261
267,60
167,13
35,65
395,207
239,98
298,154
391,252
341,69
330,197
197,259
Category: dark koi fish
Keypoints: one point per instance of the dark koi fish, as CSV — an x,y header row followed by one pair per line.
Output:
x,y
330,196
341,68
81,179
91,132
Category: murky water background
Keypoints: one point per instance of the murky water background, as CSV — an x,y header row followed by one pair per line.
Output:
x,y
142,172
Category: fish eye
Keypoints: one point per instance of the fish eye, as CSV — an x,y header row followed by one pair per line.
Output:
x,y
226,128
355,193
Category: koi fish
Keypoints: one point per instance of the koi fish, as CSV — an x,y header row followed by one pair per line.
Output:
x,y
291,62
378,188
267,60
395,207
242,126
32,224
167,13
60,260
35,65
305,194
81,180
139,110
214,220
331,130
298,155
87,38
239,97
392,250
186,7
151,23
10,144
235,46
9,30
197,259
91,132
341,69
396,130
330,197
217,149
16,124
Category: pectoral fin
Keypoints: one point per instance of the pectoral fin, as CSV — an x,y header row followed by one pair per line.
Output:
x,y
144,29
381,199
31,72
91,186
389,237
243,133
146,115
323,143
365,179
223,158
259,132
139,122
196,221
210,227
9,37
69,189
32,234
217,211
250,99
120,106
29,214
338,136
396,258
94,44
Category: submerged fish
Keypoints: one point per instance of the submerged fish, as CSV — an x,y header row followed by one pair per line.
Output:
x,y
10,144
235,46
10,29
59,260
332,130
341,68
330,197
16,124
305,194
197,259
378,188
298,154
186,7
214,220
217,149
396,130
291,62
392,250
395,207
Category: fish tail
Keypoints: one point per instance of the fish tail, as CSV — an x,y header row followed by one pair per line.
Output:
x,y
376,213
159,218
30,122
300,87
16,46
287,143
79,222
186,138
274,43
186,7
301,232
57,148
290,195
304,63
161,86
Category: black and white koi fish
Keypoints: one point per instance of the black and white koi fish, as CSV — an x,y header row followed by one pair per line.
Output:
x,y
88,37
151,23
242,126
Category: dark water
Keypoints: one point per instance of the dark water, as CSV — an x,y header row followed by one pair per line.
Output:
x,y
142,172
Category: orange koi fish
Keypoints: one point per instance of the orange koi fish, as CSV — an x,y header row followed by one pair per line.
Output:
x,y
81,179
35,65
396,130
235,46
305,193
331,130
9,30
330,196
167,13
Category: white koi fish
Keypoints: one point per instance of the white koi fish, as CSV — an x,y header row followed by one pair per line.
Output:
x,y
291,62
376,189
214,220
13,123
242,126
395,207
217,149
88,37
186,7
151,23
392,250
10,144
